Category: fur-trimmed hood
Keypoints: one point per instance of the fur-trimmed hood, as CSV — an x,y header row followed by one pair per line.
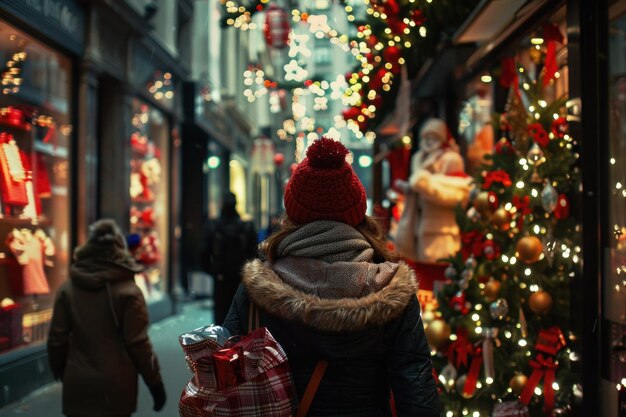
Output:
x,y
267,290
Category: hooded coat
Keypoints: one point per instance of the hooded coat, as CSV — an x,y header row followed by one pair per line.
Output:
x,y
373,343
98,341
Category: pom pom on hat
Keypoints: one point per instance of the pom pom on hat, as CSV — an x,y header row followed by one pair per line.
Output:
x,y
105,232
325,187
326,153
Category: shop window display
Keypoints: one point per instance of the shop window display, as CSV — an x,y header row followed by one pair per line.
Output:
x,y
149,198
35,134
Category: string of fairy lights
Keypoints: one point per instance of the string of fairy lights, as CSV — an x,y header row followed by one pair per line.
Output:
x,y
378,57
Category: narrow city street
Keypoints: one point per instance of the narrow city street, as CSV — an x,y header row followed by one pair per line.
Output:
x,y
46,402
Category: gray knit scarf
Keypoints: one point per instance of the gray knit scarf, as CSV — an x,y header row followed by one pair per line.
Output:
x,y
332,260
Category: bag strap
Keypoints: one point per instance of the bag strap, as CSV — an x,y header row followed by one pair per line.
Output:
x,y
311,388
254,318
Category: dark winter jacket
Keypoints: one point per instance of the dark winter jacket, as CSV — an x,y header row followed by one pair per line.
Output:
x,y
98,340
373,344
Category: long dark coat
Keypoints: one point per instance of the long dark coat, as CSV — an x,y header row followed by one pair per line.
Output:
x,y
374,344
98,342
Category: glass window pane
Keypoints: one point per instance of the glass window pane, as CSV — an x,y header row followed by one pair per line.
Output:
x,y
35,142
150,197
616,280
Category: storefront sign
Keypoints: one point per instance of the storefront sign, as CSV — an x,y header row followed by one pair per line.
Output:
x,y
61,20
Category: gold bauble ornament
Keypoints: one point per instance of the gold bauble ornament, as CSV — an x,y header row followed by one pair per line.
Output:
x,y
517,384
492,290
501,219
540,302
529,249
483,203
428,316
438,333
535,55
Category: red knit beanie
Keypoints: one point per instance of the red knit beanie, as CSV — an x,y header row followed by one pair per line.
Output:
x,y
325,187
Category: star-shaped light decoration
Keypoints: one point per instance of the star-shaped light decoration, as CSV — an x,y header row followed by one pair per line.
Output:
x,y
318,24
338,87
294,72
298,45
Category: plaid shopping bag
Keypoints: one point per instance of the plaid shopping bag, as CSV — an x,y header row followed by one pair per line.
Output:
x,y
245,377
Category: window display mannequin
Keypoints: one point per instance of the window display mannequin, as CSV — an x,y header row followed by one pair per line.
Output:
x,y
428,231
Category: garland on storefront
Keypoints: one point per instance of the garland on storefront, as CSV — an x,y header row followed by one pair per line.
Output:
x,y
392,34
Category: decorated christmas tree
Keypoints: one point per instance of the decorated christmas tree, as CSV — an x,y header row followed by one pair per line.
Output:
x,y
502,334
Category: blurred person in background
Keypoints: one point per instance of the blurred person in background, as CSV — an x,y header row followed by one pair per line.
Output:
x,y
98,341
228,243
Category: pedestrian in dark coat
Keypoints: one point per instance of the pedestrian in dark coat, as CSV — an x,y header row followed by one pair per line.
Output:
x,y
98,341
229,243
328,289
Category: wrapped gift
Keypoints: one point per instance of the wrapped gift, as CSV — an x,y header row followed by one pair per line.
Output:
x,y
510,409
11,324
227,364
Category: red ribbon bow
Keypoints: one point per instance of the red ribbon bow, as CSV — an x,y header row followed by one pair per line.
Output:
x,y
543,367
552,35
474,372
460,350
500,176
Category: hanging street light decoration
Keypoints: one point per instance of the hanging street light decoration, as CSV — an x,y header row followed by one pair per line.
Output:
x,y
277,27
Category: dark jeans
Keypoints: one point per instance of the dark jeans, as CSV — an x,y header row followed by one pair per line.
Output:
x,y
224,291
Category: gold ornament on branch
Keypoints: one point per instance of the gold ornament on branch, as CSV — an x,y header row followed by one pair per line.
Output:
x,y
529,249
540,302
501,219
517,384
535,54
484,203
492,290
438,333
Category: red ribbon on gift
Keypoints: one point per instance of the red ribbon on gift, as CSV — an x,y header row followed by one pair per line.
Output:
x,y
460,350
550,341
543,367
227,364
474,372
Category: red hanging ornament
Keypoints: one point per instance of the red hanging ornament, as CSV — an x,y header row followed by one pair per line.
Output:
x,y
371,41
351,113
491,249
459,303
418,17
392,54
376,81
277,27
539,134
504,147
562,209
509,77
279,158
560,127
